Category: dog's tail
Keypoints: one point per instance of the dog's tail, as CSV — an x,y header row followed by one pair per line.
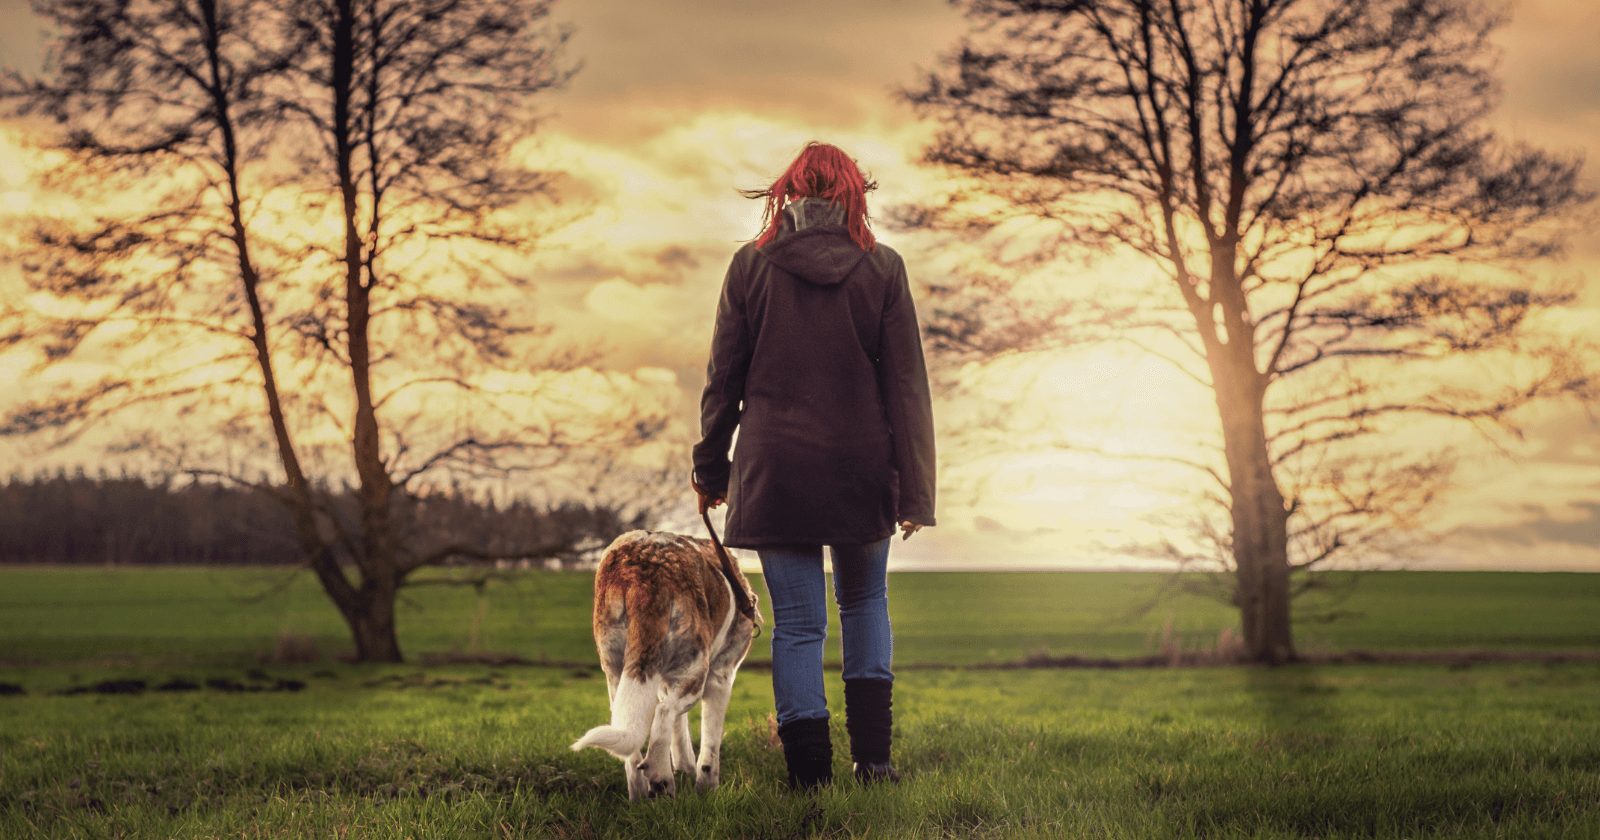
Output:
x,y
632,713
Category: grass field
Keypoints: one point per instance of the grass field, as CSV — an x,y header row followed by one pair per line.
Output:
x,y
201,616
1503,750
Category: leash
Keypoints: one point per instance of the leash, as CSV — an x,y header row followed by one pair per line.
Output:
x,y
740,598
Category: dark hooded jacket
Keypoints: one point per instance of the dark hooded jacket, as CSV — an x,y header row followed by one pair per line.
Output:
x,y
817,359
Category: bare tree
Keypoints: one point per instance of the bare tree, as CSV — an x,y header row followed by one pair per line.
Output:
x,y
240,127
1334,223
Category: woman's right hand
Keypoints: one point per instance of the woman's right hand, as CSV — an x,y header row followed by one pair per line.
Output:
x,y
707,500
909,528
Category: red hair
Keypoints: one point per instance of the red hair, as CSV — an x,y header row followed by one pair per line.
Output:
x,y
824,171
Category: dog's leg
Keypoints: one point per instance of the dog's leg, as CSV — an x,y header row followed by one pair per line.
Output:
x,y
713,712
630,763
638,718
638,788
682,746
657,765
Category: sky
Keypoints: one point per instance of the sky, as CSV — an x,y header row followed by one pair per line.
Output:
x,y
678,104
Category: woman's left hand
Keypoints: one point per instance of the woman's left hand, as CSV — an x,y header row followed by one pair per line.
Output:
x,y
909,528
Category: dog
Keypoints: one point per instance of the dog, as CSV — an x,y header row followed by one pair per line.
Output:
x,y
669,634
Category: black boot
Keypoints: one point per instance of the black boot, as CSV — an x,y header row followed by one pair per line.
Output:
x,y
808,750
869,720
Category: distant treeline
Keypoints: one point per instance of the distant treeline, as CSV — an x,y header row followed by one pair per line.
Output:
x,y
75,518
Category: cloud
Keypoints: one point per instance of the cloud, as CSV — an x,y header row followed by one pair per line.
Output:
x,y
1577,525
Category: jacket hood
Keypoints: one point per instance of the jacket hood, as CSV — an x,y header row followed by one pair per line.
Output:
x,y
813,242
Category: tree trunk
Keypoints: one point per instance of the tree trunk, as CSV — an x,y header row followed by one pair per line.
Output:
x,y
301,506
373,619
372,625
1260,521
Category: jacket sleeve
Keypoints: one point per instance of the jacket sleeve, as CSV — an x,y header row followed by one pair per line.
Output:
x,y
720,403
903,382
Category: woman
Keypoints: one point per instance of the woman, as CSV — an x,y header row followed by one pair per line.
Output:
x,y
816,357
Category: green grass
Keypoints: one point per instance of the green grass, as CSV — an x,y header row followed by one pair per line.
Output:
x,y
1503,750
203,615
1350,751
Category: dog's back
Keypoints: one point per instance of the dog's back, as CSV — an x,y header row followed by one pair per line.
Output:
x,y
659,602
665,622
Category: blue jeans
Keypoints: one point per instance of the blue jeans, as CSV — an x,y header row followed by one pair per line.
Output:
x,y
798,596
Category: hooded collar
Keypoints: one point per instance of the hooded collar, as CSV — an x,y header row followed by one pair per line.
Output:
x,y
809,210
813,242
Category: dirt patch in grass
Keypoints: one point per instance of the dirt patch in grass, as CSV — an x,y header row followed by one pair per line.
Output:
x,y
260,682
106,687
235,687
420,680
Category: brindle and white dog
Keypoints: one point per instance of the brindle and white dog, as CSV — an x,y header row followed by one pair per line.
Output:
x,y
669,634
